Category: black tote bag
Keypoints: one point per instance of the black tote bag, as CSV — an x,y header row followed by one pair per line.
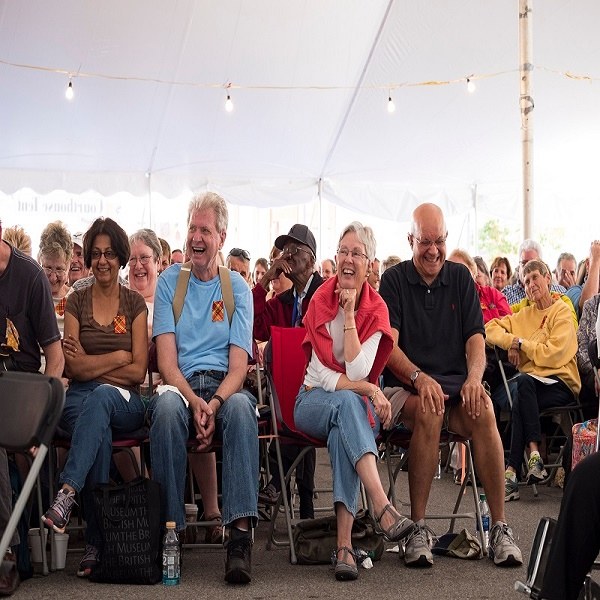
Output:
x,y
129,518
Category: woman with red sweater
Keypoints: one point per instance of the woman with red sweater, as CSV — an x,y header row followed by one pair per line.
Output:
x,y
348,341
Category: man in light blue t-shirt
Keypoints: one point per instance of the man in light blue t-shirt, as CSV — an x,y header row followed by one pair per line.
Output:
x,y
203,361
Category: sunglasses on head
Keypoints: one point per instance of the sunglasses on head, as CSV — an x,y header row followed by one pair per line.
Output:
x,y
239,252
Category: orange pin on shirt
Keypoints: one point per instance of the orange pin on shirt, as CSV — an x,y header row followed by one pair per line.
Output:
x,y
120,324
59,309
218,311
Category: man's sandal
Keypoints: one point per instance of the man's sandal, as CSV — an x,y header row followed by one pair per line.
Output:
x,y
401,527
345,571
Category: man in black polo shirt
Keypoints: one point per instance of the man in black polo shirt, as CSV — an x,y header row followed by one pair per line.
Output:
x,y
433,377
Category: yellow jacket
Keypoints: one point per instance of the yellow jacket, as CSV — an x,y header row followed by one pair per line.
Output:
x,y
549,341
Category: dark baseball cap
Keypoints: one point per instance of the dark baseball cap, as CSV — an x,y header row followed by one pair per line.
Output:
x,y
298,233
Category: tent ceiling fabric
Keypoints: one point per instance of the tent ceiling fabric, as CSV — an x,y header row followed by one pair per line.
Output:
x,y
309,81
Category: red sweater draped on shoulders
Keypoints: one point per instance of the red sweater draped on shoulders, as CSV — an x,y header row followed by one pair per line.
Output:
x,y
371,316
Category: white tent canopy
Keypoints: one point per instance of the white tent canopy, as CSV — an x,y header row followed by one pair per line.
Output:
x,y
310,81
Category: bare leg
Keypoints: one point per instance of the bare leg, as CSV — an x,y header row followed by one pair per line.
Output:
x,y
489,455
204,468
366,468
345,520
424,453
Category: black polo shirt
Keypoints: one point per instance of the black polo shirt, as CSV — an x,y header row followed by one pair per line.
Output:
x,y
434,321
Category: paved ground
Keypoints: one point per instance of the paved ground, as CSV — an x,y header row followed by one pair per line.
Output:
x,y
274,577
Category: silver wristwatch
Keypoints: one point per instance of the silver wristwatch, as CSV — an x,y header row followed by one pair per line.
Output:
x,y
414,375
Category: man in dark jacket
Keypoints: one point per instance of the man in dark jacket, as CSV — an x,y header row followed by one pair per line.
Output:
x,y
297,261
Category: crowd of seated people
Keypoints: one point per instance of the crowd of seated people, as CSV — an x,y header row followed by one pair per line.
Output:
x,y
541,317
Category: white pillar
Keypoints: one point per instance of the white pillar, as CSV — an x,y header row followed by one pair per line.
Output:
x,y
526,106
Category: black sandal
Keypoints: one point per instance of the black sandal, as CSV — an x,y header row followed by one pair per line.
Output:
x,y
401,527
345,571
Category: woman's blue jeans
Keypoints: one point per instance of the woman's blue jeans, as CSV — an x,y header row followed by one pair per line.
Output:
x,y
92,412
172,425
341,418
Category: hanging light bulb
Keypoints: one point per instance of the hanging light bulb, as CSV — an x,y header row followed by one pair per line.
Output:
x,y
69,91
228,104
470,86
391,107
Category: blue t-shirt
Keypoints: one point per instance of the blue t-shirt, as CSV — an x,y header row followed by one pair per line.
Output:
x,y
203,334
574,295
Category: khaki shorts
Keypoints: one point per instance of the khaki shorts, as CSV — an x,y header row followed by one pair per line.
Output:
x,y
398,396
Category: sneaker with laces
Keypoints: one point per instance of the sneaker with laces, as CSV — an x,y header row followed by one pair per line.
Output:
x,y
268,495
503,550
57,516
239,556
535,470
417,547
511,488
89,561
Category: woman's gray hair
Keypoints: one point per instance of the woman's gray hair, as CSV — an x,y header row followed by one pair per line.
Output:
x,y
55,242
148,237
535,265
365,235
210,200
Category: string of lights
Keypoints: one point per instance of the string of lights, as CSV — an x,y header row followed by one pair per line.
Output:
x,y
389,88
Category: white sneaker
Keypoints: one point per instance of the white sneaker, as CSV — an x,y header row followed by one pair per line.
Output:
x,y
503,550
417,547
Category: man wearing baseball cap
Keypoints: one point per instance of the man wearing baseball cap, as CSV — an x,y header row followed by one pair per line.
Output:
x,y
77,270
297,262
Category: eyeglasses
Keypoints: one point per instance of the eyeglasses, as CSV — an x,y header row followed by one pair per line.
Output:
x,y
356,254
144,260
291,250
239,252
60,272
426,244
108,254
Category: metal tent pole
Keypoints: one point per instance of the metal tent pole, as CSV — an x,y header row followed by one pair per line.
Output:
x,y
526,106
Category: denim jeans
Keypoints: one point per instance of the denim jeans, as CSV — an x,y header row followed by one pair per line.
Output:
x,y
92,412
172,425
341,418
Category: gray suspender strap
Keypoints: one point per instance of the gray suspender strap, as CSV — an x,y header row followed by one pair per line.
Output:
x,y
182,284
227,292
181,289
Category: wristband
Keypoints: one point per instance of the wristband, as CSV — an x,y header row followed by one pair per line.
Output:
x,y
349,328
217,397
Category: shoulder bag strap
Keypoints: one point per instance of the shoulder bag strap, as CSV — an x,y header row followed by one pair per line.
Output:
x,y
181,289
227,291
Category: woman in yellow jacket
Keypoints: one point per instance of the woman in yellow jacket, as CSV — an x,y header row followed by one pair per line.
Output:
x,y
542,343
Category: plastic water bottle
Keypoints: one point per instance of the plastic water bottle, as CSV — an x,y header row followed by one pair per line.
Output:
x,y
171,556
485,519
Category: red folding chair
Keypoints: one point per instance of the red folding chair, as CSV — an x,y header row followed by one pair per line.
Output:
x,y
285,367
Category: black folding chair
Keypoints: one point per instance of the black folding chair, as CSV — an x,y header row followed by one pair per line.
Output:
x,y
30,407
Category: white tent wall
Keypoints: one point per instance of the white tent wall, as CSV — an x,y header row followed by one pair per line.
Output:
x,y
310,81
